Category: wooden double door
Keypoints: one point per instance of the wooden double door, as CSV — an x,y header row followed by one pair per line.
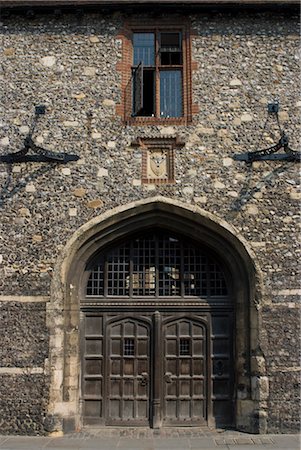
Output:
x,y
156,369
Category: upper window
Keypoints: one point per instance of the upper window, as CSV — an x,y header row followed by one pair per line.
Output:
x,y
157,75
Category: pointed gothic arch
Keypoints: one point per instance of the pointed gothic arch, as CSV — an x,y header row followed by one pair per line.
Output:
x,y
65,406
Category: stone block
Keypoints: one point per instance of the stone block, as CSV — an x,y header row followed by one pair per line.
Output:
x,y
136,182
37,238
4,142
219,185
167,131
72,212
24,130
89,71
252,210
70,123
227,162
48,61
235,83
188,190
94,39
246,118
96,136
111,144
108,102
24,212
260,388
30,188
202,199
102,172
94,204
258,365
10,51
79,192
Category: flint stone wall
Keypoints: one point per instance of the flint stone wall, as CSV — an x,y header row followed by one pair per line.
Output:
x,y
68,63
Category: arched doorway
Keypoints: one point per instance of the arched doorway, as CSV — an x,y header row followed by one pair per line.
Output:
x,y
157,334
157,297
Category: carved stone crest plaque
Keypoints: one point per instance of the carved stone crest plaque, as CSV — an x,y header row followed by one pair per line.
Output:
x,y
157,164
157,159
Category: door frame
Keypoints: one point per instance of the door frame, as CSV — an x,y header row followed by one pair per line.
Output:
x,y
63,309
155,320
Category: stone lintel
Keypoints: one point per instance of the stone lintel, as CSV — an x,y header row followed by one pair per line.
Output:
x,y
25,298
287,292
21,370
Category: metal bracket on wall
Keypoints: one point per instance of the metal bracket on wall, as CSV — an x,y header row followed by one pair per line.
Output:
x,y
270,153
41,154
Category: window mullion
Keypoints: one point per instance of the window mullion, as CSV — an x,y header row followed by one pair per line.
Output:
x,y
182,287
105,276
131,271
157,265
157,74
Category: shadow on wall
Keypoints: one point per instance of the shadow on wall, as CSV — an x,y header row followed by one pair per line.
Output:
x,y
11,187
248,191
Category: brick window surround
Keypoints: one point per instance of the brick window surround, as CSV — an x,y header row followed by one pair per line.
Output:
x,y
124,109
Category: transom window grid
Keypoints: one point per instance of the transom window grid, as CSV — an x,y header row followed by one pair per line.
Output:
x,y
157,265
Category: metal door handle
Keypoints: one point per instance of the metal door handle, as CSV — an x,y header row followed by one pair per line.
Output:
x,y
167,377
144,379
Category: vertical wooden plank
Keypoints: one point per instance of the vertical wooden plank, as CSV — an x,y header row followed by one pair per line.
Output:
x,y
157,371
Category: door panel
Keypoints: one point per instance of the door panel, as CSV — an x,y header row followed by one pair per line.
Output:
x,y
222,369
92,370
128,373
184,384
118,376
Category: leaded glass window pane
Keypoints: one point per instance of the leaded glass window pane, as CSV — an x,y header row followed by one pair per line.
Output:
x,y
171,93
158,265
144,49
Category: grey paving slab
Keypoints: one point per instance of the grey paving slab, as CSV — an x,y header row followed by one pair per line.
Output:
x,y
172,443
285,440
171,448
135,443
259,447
221,447
85,446
24,442
83,443
202,442
209,448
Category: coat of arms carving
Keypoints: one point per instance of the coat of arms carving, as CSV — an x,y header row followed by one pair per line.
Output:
x,y
158,159
157,164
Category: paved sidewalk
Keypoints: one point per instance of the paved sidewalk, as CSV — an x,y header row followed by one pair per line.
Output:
x,y
150,440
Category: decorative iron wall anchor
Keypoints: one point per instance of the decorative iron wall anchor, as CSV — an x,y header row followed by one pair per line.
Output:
x,y
270,153
41,154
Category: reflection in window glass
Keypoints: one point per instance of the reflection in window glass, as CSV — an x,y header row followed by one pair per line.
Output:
x,y
144,49
157,264
171,93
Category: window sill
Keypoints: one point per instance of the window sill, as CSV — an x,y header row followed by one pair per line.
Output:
x,y
144,121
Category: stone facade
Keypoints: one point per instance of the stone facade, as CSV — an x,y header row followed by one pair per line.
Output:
x,y
68,63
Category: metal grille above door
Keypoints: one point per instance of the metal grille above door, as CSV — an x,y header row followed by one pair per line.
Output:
x,y
156,264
